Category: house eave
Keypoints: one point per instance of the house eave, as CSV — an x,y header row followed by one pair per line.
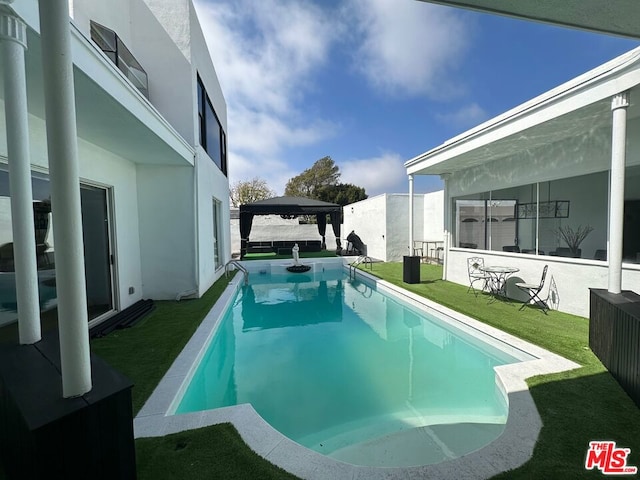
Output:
x,y
620,74
621,18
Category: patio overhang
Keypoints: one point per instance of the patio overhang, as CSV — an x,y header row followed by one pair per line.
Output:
x,y
621,17
111,113
575,108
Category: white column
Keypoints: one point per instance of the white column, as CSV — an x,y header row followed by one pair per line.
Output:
x,y
446,223
57,69
410,214
13,39
619,104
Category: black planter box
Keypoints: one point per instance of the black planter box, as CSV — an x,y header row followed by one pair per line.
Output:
x,y
47,436
614,336
411,269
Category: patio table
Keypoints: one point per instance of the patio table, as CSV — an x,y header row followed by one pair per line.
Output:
x,y
498,278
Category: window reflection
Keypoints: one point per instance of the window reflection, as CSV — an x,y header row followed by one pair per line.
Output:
x,y
95,230
529,218
44,248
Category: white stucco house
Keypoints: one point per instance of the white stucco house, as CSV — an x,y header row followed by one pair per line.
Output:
x,y
383,224
567,158
151,154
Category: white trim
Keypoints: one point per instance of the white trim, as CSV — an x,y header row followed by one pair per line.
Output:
x,y
586,89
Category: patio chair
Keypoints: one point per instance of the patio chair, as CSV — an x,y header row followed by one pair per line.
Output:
x,y
474,269
534,291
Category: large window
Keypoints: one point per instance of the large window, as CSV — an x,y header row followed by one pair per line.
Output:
x,y
539,218
212,136
117,51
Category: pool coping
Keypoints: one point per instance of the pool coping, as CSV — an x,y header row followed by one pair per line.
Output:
x,y
512,449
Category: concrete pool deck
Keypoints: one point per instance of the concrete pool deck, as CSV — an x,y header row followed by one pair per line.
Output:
x,y
513,448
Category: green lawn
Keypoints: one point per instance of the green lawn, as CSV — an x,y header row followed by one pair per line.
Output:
x,y
576,407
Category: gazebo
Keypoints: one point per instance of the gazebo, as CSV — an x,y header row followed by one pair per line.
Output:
x,y
290,206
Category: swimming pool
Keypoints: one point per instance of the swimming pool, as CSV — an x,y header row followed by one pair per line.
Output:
x,y
353,372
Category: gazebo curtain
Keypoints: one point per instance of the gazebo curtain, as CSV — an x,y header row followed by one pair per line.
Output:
x,y
290,206
246,221
321,218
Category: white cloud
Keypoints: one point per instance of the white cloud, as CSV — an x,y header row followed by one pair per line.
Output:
x,y
409,47
265,54
383,174
465,117
264,51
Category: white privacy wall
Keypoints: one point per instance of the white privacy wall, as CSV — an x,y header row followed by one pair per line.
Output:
x,y
368,218
433,216
383,222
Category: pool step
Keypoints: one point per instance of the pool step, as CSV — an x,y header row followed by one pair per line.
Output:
x,y
421,445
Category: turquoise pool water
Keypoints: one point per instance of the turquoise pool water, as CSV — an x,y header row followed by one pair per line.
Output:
x,y
350,372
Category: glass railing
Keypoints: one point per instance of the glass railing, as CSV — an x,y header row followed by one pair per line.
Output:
x,y
117,51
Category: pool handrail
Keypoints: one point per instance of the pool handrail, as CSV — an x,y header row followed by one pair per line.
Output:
x,y
240,267
361,259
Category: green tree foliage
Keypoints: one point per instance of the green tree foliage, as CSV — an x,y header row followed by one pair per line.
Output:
x,y
342,194
249,191
322,174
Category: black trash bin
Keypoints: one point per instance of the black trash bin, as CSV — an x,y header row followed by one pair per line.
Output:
x,y
411,269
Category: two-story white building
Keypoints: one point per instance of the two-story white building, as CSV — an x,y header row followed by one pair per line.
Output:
x,y
151,139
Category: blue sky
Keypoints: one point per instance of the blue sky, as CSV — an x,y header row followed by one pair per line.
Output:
x,y
373,83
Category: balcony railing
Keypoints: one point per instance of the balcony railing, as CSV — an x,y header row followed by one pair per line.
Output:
x,y
120,55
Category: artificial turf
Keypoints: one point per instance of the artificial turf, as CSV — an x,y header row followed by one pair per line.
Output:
x,y
576,407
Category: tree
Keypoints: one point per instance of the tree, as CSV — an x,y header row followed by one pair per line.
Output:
x,y
250,191
322,174
342,194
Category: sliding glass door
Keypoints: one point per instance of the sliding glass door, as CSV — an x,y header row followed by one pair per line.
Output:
x,y
97,250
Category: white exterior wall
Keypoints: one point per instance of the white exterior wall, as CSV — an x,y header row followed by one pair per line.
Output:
x,y
100,168
368,218
114,14
573,277
171,88
168,42
167,230
382,222
433,216
397,218
212,183
162,196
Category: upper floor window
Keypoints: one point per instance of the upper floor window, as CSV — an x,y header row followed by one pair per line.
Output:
x,y
212,136
117,51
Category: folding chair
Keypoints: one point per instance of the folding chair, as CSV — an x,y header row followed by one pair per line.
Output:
x,y
476,274
553,297
534,291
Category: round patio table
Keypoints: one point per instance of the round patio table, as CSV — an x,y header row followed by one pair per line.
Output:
x,y
498,278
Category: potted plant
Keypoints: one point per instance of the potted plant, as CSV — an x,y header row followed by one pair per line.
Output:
x,y
573,238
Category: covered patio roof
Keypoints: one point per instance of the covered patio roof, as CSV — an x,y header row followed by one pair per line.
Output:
x,y
620,17
290,206
574,108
